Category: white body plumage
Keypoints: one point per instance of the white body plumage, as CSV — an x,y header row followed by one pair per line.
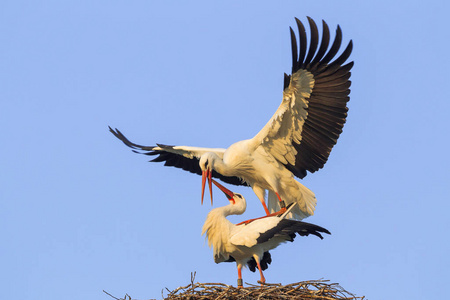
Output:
x,y
244,242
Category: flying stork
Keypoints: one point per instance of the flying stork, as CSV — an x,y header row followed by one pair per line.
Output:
x,y
296,140
250,243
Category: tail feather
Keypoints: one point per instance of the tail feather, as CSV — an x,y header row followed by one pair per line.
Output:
x,y
294,192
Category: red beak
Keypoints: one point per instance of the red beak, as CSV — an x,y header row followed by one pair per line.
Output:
x,y
207,174
226,191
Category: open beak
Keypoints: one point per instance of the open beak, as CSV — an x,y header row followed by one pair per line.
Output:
x,y
207,174
226,191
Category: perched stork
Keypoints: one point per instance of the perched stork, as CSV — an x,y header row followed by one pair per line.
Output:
x,y
250,243
296,140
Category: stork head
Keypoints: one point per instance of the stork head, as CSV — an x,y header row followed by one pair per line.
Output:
x,y
229,194
206,165
236,200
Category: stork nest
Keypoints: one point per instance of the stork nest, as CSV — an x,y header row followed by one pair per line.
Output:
x,y
312,289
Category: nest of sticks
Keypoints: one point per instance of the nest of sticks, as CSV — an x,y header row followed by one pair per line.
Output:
x,y
312,289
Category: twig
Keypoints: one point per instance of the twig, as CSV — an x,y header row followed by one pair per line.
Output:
x,y
110,295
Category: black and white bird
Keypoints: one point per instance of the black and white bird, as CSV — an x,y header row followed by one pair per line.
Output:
x,y
296,140
250,243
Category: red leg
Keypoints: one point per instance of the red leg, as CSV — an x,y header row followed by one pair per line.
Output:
x,y
263,280
263,202
239,282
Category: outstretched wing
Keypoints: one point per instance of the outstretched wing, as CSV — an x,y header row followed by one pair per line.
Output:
x,y
313,111
183,157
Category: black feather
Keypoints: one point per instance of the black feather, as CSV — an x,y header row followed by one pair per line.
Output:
x,y
288,228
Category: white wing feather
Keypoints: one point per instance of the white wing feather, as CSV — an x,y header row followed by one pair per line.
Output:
x,y
285,126
246,235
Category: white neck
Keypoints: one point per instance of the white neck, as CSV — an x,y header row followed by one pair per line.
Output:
x,y
218,228
216,163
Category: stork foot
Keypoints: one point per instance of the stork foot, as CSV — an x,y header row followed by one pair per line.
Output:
x,y
281,211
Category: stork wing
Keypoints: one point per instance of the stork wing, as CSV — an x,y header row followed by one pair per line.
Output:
x,y
249,234
183,157
311,116
288,228
261,231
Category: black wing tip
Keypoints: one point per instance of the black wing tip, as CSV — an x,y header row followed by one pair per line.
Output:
x,y
323,230
311,22
349,46
116,132
314,57
304,228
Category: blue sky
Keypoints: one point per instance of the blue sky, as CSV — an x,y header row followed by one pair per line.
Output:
x,y
80,213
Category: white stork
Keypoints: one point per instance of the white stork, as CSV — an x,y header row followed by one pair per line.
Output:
x,y
250,243
296,140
